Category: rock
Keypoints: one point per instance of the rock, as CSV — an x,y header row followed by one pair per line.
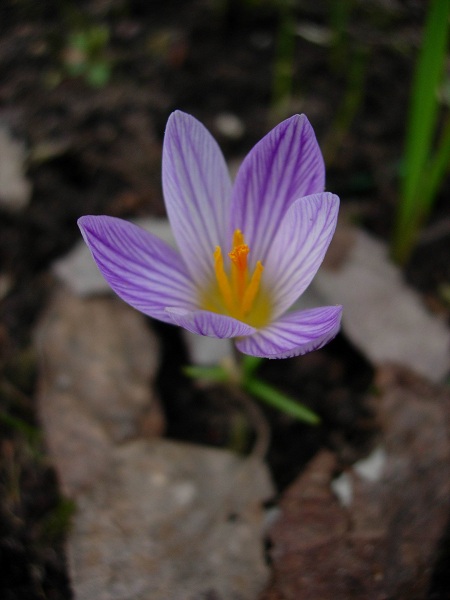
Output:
x,y
99,360
207,351
154,519
78,271
382,316
383,539
171,521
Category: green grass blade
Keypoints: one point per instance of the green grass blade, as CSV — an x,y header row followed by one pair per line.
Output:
x,y
438,167
421,129
424,107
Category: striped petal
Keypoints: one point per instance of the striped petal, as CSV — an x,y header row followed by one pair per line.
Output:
x,y
299,247
285,165
204,322
294,334
142,269
197,192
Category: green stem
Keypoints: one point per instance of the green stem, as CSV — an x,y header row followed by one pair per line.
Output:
x,y
214,373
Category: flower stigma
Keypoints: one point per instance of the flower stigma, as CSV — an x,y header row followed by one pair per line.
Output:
x,y
235,291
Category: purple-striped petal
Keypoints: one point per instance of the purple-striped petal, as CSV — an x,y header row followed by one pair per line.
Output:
x,y
142,269
299,247
197,192
294,334
285,165
204,322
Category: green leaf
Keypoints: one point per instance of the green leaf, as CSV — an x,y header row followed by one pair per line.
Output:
x,y
277,399
417,193
249,365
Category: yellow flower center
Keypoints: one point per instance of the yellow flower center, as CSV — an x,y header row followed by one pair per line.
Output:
x,y
235,291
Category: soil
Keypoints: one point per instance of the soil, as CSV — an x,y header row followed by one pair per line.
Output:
x,y
94,147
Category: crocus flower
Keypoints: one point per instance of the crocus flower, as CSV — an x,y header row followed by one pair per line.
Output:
x,y
246,252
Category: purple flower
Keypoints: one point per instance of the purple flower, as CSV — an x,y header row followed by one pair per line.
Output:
x,y
246,251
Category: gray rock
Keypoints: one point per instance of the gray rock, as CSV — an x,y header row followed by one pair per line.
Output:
x,y
98,361
171,521
382,316
155,519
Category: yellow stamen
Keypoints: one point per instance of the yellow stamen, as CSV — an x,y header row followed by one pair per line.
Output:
x,y
252,288
222,279
236,291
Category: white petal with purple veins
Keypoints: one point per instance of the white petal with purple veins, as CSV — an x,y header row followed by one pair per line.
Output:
x,y
284,166
197,192
294,334
299,247
277,203
204,322
142,269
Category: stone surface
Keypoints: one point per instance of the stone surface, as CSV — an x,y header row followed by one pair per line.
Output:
x,y
380,537
171,521
99,360
205,350
382,316
154,519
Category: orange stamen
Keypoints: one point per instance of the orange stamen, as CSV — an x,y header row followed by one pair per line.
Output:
x,y
237,290
239,270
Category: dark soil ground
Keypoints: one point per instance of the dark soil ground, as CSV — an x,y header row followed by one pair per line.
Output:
x,y
93,121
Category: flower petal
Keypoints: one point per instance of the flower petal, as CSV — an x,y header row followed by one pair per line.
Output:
x,y
299,247
142,269
294,334
204,322
284,166
197,192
